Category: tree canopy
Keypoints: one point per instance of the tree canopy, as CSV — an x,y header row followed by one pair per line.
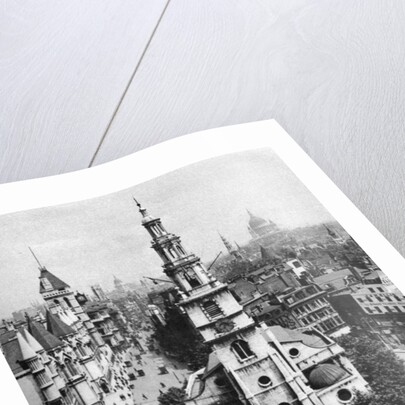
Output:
x,y
173,396
181,341
380,367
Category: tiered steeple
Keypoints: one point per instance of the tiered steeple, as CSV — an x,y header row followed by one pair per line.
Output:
x,y
232,250
247,357
334,235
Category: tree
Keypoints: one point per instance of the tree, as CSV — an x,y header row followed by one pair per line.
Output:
x,y
381,368
179,339
173,396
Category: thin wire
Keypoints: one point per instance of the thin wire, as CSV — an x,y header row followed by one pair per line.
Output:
x,y
128,85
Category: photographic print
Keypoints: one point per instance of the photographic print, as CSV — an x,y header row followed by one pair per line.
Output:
x,y
223,282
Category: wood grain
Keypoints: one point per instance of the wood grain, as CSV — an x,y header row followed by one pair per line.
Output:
x,y
330,72
63,68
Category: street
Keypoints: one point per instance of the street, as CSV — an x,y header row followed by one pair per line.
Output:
x,y
160,372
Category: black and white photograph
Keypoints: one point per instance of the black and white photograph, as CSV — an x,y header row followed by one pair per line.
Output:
x,y
225,282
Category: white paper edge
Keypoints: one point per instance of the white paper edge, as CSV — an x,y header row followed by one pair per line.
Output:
x,y
179,152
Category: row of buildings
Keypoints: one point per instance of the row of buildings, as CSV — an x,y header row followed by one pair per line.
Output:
x,y
292,359
324,281
72,352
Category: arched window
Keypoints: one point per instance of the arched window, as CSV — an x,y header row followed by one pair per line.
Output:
x,y
192,278
173,253
181,250
70,368
242,349
212,309
67,302
81,351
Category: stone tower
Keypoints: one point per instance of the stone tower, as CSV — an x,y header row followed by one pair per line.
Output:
x,y
254,366
233,251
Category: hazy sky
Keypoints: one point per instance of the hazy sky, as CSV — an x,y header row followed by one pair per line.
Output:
x,y
87,242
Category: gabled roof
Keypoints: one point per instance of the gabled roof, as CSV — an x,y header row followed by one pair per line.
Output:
x,y
57,327
27,352
12,353
212,365
55,282
31,340
46,339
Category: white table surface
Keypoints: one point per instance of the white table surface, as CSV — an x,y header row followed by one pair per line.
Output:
x,y
85,82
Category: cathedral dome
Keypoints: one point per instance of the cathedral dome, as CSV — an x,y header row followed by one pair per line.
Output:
x,y
325,375
255,221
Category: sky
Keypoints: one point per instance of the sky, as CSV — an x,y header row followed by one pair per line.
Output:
x,y
88,242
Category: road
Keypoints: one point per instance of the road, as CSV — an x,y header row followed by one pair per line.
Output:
x,y
160,372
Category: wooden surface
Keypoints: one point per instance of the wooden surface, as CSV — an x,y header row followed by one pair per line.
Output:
x,y
83,83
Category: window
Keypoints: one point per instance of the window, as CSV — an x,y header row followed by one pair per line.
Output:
x,y
397,308
300,295
296,264
212,309
71,368
157,229
242,349
380,289
369,310
81,351
67,302
173,253
294,352
264,381
372,290
338,319
378,309
191,278
344,395
388,309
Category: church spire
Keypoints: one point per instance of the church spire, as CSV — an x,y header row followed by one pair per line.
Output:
x,y
184,268
232,250
40,266
227,244
144,212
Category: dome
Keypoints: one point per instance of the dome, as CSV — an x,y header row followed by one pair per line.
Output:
x,y
255,221
325,375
